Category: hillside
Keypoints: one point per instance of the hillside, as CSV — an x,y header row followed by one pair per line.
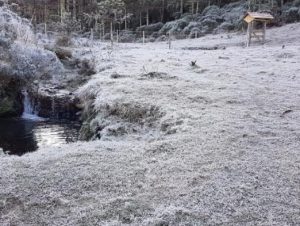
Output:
x,y
216,143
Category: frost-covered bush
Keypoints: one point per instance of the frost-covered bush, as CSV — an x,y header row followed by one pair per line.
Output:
x,y
234,12
63,40
174,26
127,36
211,13
151,28
192,26
13,27
296,3
33,62
212,10
226,26
209,25
195,33
162,38
22,58
291,15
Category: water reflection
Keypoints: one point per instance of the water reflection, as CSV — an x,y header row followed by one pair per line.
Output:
x,y
19,136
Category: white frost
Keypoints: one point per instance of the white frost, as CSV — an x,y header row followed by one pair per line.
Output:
x,y
225,150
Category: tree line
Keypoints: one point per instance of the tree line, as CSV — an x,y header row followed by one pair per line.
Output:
x,y
116,14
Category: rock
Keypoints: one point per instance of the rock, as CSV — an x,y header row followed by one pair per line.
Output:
x,y
10,98
55,104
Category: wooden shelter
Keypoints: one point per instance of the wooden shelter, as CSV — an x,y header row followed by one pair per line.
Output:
x,y
253,19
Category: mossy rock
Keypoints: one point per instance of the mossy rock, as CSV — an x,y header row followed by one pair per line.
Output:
x,y
10,99
10,107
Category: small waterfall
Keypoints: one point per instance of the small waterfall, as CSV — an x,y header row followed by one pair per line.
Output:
x,y
29,112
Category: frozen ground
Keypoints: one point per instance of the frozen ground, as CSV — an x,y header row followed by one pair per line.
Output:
x,y
214,144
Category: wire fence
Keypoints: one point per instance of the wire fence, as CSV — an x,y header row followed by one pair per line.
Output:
x,y
129,36
141,36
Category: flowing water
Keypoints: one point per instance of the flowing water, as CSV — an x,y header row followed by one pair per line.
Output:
x,y
26,134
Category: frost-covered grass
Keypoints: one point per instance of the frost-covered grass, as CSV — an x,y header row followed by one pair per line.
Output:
x,y
221,148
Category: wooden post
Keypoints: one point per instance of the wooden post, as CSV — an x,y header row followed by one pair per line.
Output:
x,y
143,37
100,34
147,17
92,34
111,34
103,30
249,31
264,31
45,29
117,36
170,41
125,19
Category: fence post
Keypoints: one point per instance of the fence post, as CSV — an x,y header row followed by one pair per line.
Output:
x,y
103,31
92,34
143,37
117,36
170,41
111,34
46,32
100,33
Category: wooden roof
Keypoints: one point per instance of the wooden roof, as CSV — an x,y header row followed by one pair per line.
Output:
x,y
250,16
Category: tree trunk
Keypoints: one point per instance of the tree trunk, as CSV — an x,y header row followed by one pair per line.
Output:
x,y
62,10
147,17
125,19
181,7
162,11
74,9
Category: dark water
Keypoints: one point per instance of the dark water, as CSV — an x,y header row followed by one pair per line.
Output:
x,y
19,136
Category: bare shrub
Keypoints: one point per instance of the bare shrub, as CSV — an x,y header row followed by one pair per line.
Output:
x,y
63,41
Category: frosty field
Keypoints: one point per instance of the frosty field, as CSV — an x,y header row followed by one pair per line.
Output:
x,y
212,144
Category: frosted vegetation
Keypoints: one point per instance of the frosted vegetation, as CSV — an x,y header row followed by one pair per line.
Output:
x,y
14,27
22,57
178,136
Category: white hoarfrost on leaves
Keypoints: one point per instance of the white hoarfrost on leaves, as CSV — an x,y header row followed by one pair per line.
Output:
x,y
14,27
35,62
213,142
21,56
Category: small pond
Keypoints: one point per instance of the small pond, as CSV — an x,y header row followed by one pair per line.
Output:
x,y
21,135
